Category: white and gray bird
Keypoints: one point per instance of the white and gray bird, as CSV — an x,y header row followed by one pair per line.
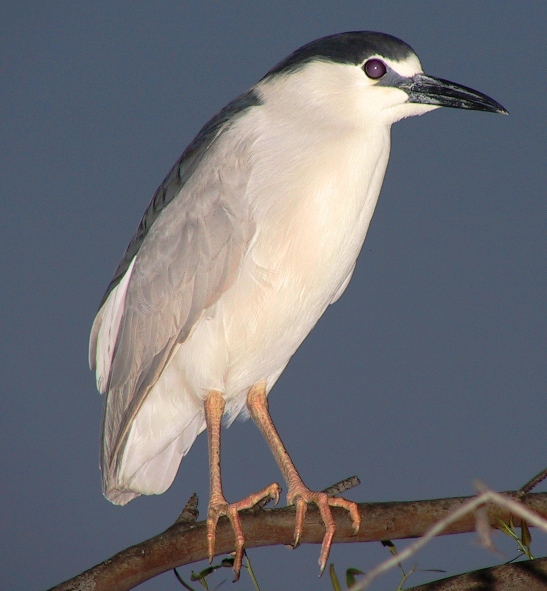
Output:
x,y
253,233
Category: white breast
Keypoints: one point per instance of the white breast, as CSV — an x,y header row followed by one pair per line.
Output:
x,y
312,214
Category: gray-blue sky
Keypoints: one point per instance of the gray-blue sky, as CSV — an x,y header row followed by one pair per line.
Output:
x,y
428,373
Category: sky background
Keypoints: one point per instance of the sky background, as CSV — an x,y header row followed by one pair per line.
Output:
x,y
427,374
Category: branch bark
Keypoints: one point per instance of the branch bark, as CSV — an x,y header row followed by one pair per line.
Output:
x,y
185,541
528,575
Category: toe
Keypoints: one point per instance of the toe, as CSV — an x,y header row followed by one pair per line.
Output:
x,y
219,506
301,508
301,496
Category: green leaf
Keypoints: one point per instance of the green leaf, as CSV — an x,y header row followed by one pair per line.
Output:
x,y
350,576
334,578
203,574
525,534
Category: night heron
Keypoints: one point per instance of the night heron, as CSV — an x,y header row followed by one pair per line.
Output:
x,y
253,233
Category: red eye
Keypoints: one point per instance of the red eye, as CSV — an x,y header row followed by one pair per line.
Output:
x,y
375,68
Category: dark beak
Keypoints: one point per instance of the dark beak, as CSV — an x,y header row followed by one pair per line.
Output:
x,y
435,91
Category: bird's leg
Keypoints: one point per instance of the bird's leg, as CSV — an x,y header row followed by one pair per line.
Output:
x,y
298,494
214,408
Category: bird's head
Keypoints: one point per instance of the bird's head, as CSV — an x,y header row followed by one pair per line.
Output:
x,y
360,78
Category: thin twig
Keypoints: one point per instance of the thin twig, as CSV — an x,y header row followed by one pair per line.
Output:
x,y
342,486
190,512
531,484
486,496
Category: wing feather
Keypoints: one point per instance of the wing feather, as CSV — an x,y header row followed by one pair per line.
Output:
x,y
187,260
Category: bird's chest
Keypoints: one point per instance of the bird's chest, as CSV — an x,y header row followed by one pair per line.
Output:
x,y
313,215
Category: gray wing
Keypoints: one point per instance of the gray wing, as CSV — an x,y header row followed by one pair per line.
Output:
x,y
187,259
180,174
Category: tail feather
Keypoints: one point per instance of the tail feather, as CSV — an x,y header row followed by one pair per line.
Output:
x,y
162,433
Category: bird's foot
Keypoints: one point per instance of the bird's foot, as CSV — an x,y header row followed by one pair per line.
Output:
x,y
300,496
219,506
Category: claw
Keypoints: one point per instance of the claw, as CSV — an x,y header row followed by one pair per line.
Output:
x,y
322,564
276,493
301,496
220,506
212,520
301,509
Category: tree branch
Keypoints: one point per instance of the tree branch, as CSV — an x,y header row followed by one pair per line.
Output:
x,y
528,575
185,541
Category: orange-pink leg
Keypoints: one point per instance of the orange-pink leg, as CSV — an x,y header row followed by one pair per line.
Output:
x,y
214,408
298,494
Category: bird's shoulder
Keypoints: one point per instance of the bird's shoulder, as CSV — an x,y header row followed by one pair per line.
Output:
x,y
185,168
